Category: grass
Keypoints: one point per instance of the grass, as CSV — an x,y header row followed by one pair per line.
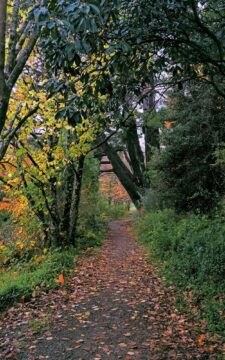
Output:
x,y
26,269
24,273
18,284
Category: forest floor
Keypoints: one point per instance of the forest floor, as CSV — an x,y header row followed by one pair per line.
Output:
x,y
113,307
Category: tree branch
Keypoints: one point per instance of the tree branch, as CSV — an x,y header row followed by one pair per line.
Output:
x,y
5,134
5,145
3,90
206,29
21,60
102,142
13,37
3,15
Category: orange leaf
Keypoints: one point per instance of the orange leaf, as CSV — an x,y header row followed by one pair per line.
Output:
x,y
201,339
61,280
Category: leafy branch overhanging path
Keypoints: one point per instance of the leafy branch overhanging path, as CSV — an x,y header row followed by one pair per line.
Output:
x,y
117,309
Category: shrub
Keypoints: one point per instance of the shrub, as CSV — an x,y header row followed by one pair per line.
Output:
x,y
191,251
156,230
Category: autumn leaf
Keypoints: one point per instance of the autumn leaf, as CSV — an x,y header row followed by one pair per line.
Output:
x,y
201,340
61,280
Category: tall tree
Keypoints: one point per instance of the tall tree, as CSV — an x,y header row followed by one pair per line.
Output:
x,y
192,177
19,33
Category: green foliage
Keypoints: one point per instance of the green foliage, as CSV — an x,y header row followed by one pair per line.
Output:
x,y
156,197
92,221
17,247
27,265
18,283
190,176
191,251
155,231
116,211
95,212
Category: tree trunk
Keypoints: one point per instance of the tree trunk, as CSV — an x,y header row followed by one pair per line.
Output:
x,y
75,202
135,154
55,237
54,234
65,222
151,132
4,98
38,213
124,175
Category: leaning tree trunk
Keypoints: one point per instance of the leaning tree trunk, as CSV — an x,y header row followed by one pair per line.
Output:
x,y
135,153
124,175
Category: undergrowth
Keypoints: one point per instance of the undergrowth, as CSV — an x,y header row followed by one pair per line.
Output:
x,y
20,281
190,251
28,267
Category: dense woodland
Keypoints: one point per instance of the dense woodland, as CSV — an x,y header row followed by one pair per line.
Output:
x,y
106,105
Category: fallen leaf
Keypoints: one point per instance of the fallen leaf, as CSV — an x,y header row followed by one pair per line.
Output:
x,y
127,334
201,340
61,280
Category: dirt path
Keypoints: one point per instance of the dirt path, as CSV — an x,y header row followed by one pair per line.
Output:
x,y
117,309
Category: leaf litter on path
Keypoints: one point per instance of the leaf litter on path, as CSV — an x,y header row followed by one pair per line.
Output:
x,y
114,308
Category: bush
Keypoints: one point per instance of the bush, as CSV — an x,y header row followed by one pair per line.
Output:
x,y
115,211
191,251
155,231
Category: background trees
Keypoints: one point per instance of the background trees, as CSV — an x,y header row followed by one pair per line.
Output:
x,y
18,37
193,179
97,66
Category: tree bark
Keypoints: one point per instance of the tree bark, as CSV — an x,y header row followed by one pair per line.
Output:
x,y
68,192
13,37
74,210
151,133
135,154
124,175
3,88
55,237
